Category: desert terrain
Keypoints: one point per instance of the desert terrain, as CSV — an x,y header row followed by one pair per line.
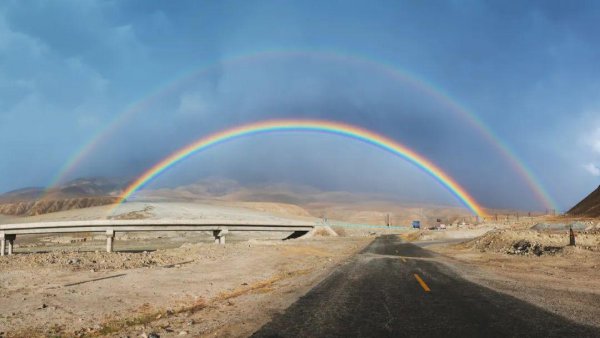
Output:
x,y
170,284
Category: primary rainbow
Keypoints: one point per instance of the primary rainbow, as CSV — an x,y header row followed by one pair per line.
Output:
x,y
328,127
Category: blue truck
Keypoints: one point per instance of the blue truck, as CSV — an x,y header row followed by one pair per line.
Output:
x,y
416,224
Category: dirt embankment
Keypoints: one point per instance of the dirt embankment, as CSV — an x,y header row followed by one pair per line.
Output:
x,y
531,242
39,207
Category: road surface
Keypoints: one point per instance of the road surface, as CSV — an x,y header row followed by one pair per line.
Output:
x,y
398,289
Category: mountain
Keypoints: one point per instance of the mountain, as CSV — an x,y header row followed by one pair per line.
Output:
x,y
589,206
359,208
79,193
81,187
45,206
278,198
24,194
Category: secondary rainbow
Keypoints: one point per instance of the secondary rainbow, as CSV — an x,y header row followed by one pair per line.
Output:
x,y
382,67
328,127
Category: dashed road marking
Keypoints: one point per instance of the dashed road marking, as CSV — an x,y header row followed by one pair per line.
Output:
x,y
422,282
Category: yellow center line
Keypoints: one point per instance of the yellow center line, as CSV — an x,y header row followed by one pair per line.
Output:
x,y
422,282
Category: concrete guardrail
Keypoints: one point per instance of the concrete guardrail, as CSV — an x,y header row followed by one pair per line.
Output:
x,y
219,228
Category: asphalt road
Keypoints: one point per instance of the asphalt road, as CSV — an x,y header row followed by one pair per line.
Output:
x,y
378,294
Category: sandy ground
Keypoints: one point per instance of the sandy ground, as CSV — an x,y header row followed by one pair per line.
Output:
x,y
194,288
65,285
182,284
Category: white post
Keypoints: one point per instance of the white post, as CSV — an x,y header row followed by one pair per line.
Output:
x,y
110,235
2,244
10,246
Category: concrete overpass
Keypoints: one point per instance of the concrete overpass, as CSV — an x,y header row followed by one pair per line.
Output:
x,y
219,228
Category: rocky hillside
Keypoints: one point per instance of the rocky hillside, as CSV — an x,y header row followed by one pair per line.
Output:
x,y
589,206
82,187
39,207
76,194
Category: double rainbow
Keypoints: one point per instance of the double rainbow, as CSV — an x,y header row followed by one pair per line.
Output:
x,y
377,66
328,127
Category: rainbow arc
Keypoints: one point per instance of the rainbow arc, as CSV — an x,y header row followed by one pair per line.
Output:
x,y
328,127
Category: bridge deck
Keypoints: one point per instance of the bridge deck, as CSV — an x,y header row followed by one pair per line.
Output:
x,y
219,228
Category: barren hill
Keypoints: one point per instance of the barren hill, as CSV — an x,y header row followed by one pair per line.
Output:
x,y
76,194
81,187
301,200
44,206
277,198
589,206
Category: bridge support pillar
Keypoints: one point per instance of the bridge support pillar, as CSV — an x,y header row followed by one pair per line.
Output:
x,y
11,243
4,240
110,236
220,236
2,243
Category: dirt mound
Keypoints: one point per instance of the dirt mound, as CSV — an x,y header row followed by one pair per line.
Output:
x,y
589,206
91,260
34,208
529,242
137,214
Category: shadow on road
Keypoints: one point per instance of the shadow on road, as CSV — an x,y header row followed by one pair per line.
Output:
x,y
392,245
381,298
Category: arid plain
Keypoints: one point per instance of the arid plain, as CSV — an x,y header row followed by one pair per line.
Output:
x,y
183,284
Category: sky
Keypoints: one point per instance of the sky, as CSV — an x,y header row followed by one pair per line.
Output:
x,y
527,70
